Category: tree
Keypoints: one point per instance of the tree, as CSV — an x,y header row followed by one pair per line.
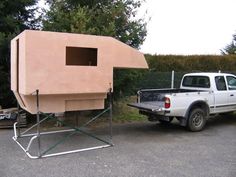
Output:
x,y
100,17
230,49
15,16
115,18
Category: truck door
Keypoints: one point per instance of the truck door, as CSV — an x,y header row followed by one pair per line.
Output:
x,y
231,83
221,94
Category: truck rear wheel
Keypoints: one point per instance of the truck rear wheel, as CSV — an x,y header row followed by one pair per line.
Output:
x,y
196,120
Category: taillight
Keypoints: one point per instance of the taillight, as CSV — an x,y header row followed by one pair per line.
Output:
x,y
167,102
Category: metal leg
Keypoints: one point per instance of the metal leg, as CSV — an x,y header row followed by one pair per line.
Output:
x,y
18,118
38,124
15,130
110,113
73,131
76,119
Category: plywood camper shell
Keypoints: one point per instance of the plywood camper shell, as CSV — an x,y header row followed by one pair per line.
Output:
x,y
71,71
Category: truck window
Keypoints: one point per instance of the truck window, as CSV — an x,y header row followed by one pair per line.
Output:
x,y
220,83
196,81
231,82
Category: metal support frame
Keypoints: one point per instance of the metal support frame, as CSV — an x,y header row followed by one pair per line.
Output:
x,y
172,79
37,135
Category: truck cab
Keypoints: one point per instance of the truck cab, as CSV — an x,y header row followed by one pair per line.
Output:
x,y
221,84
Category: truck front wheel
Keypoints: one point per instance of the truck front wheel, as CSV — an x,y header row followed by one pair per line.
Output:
x,y
196,120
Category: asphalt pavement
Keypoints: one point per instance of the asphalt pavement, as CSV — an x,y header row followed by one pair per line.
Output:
x,y
141,149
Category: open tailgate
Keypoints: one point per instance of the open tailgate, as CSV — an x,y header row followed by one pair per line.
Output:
x,y
154,106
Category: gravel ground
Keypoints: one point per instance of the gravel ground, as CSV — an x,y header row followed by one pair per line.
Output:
x,y
141,149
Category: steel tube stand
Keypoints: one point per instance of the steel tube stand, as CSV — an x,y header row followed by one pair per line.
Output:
x,y
37,136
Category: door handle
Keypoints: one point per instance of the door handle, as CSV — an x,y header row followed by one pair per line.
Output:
x,y
232,95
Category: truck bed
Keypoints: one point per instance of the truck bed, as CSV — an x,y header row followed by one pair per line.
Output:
x,y
148,95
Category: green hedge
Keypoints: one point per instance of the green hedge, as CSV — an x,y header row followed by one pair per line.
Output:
x,y
191,63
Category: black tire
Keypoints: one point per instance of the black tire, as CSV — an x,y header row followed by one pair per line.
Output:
x,y
166,122
196,120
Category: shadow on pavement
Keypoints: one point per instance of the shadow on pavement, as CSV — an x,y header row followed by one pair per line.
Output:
x,y
173,128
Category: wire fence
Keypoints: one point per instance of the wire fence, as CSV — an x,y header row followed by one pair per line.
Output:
x,y
164,79
152,80
160,80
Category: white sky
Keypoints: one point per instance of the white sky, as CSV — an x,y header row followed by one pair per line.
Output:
x,y
189,26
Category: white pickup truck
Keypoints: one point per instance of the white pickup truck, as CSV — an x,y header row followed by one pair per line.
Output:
x,y
199,96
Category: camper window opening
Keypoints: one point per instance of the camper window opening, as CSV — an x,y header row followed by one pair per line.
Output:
x,y
81,56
